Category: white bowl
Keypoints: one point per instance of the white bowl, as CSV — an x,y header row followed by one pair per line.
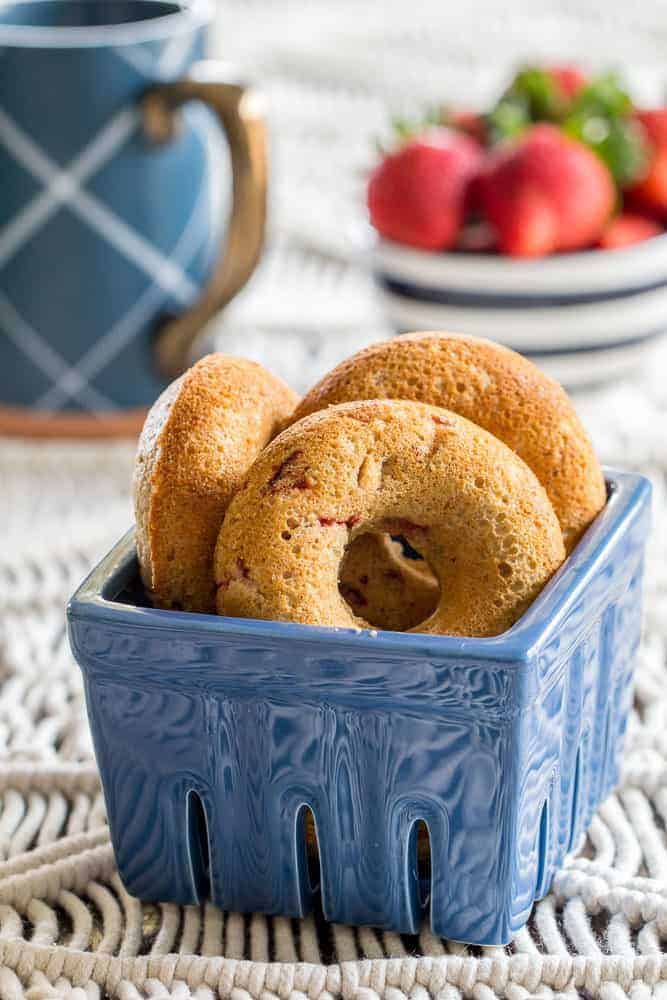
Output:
x,y
583,317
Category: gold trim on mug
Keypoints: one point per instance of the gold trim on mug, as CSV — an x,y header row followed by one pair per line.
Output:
x,y
239,109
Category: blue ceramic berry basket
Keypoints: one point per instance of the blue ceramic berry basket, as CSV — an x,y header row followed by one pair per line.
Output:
x,y
215,736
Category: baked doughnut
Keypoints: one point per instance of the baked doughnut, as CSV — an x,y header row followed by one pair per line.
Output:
x,y
497,389
199,439
462,498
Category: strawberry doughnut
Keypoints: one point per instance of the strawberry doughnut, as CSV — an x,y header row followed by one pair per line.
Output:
x,y
497,389
462,498
199,440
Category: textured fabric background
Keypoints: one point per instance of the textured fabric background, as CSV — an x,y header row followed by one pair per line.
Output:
x,y
330,70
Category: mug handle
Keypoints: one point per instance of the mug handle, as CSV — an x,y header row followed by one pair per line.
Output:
x,y
239,111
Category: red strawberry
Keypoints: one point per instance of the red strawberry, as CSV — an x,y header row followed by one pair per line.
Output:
x,y
650,193
654,121
417,194
628,228
545,193
569,79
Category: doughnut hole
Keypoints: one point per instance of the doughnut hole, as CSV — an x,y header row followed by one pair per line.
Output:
x,y
382,585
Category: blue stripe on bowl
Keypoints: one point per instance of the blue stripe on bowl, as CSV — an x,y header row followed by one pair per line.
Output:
x,y
583,350
591,350
500,300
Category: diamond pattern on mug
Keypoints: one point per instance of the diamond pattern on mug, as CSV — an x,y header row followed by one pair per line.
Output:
x,y
61,285
34,359
76,127
109,354
126,185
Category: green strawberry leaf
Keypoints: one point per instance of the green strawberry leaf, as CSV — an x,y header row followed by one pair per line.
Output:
x,y
619,142
603,97
401,127
507,120
532,96
539,93
409,128
405,129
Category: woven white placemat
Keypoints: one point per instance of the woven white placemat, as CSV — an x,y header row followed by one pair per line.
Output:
x,y
67,929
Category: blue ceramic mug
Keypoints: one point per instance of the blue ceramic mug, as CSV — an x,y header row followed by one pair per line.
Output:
x,y
111,205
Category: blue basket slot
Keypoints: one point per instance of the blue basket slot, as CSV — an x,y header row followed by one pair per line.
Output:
x,y
596,709
584,813
198,846
570,743
154,859
420,852
308,854
575,802
404,904
609,753
543,869
430,890
258,824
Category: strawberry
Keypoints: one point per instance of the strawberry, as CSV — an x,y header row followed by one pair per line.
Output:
x,y
570,80
626,229
545,193
650,192
655,123
416,195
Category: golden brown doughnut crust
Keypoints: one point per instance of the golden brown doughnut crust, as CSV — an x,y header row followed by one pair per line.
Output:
x,y
497,389
461,497
199,439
